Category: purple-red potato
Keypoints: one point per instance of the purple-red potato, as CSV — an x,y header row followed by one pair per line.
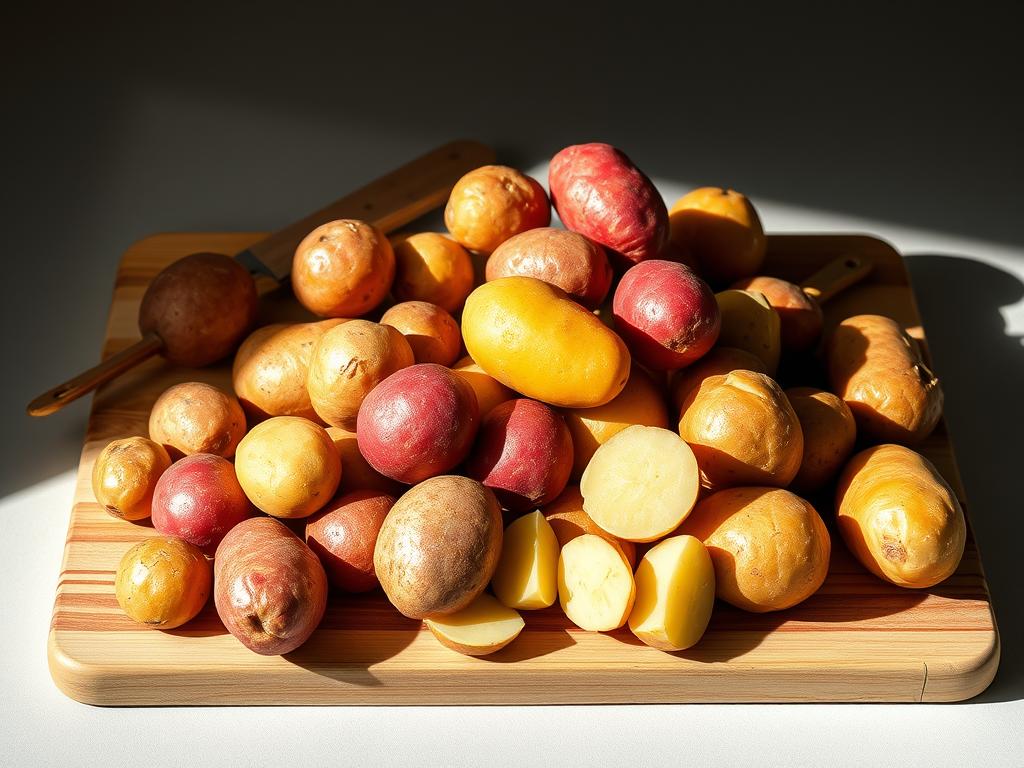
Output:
x,y
200,306
269,588
195,417
524,454
432,333
493,203
718,362
723,232
599,193
357,474
567,259
417,423
343,536
343,268
199,499
800,316
667,316
432,267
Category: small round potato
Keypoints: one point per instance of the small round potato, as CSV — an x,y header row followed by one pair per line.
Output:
x,y
829,434
125,474
743,431
288,466
770,548
439,546
163,582
343,269
718,361
194,417
574,263
493,203
349,361
432,267
800,317
722,230
432,333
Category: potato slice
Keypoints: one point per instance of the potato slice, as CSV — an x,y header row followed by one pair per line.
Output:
x,y
675,592
595,584
641,484
482,627
526,573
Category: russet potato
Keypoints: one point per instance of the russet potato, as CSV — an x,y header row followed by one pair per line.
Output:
x,y
195,417
526,576
568,520
125,475
595,584
493,203
163,582
829,433
482,627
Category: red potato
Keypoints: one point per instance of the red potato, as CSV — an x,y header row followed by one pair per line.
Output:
x,y
574,263
199,500
417,423
667,316
524,454
344,534
598,192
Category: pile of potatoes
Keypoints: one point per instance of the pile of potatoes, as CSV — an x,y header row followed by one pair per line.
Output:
x,y
591,424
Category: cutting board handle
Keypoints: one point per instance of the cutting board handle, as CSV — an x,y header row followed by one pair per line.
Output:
x,y
836,276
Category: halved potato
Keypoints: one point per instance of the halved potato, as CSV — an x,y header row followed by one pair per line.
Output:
x,y
482,627
526,574
595,585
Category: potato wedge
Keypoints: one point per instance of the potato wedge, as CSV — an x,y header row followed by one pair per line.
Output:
x,y
526,576
482,627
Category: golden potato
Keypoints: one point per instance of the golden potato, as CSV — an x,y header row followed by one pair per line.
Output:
x,y
899,517
270,369
829,434
432,333
343,268
722,230
488,390
640,402
194,417
432,267
350,360
769,547
750,323
743,431
125,474
163,582
718,361
568,520
357,474
800,318
493,203
878,370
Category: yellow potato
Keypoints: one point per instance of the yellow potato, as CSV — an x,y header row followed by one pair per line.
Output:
x,y
482,627
749,323
899,517
488,390
568,520
432,267
641,484
125,474
288,466
533,338
717,362
595,584
527,569
163,582
829,434
640,402
675,592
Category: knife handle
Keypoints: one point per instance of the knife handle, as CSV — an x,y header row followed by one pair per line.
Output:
x,y
836,276
86,382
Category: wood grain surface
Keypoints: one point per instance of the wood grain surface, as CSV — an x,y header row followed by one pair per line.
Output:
x,y
857,639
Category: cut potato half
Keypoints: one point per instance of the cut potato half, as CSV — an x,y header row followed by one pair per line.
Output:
x,y
675,592
482,627
568,520
595,583
641,484
526,577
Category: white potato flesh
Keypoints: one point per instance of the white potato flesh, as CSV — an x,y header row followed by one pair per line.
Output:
x,y
482,627
526,574
595,583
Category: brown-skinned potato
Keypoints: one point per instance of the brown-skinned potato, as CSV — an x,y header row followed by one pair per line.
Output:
x,y
829,434
194,417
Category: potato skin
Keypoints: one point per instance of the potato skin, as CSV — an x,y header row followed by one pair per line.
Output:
x,y
269,588
163,582
599,193
439,546
194,417
534,339
488,390
201,306
288,466
432,333
718,361
877,369
270,369
348,362
574,263
417,423
343,535
829,434
432,267
343,268
667,316
357,474
493,203
523,453
125,475
721,229
800,318
743,431
770,548
899,517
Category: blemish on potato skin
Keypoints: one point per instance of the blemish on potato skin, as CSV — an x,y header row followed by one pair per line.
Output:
x,y
894,551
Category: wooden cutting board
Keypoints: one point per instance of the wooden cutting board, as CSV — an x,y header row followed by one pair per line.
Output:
x,y
857,639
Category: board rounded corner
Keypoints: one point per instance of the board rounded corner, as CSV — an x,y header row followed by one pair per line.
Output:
x,y
966,679
76,679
